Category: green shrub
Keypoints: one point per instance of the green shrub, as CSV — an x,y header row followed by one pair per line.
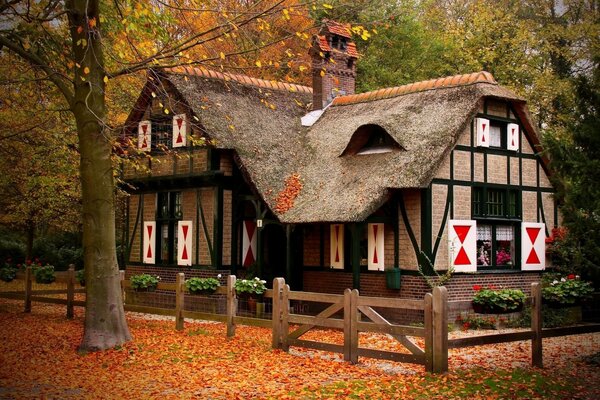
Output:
x,y
44,274
80,277
12,249
498,300
202,285
60,249
551,318
566,290
8,273
250,286
144,282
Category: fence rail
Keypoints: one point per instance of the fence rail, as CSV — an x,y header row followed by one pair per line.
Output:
x,y
350,313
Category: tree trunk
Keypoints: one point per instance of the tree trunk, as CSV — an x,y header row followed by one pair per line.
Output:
x,y
105,324
29,244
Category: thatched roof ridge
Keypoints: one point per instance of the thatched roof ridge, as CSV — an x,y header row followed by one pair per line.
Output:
x,y
432,84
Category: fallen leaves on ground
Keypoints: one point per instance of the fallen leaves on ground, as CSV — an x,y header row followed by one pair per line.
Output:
x,y
39,360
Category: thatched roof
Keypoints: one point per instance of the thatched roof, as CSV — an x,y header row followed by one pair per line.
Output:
x,y
425,120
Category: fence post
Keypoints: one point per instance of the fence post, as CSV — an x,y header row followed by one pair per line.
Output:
x,y
179,300
354,326
347,325
428,314
536,325
285,317
278,283
28,277
440,329
231,305
70,290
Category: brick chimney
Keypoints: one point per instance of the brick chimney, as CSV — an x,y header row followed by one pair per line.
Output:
x,y
334,58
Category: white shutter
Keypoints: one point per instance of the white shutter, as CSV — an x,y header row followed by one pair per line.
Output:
x,y
184,243
145,136
482,129
512,137
179,130
462,245
248,243
336,245
149,242
376,247
533,246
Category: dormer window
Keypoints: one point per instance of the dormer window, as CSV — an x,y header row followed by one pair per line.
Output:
x,y
371,139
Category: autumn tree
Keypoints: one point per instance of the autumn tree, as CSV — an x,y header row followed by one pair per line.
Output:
x,y
65,43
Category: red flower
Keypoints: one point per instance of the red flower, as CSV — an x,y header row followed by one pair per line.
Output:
x,y
477,288
28,262
571,276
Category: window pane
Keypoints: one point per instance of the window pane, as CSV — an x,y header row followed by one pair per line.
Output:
x,y
484,244
505,245
495,203
477,201
164,244
495,136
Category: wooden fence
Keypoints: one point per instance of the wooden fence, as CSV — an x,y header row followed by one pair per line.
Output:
x,y
350,313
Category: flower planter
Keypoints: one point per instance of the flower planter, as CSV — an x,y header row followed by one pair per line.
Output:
x,y
202,292
147,289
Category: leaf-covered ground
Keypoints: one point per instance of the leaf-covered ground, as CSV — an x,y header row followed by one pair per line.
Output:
x,y
39,360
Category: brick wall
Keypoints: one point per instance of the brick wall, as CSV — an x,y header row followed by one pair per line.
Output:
x,y
412,201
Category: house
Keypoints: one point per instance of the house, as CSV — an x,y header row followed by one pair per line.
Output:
x,y
237,172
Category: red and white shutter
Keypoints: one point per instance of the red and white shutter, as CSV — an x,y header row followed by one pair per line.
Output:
x,y
145,136
336,246
184,243
482,129
462,238
149,242
248,243
512,137
533,246
376,248
179,130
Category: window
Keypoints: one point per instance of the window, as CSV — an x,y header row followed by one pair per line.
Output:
x,y
498,212
371,139
496,203
162,129
495,245
168,213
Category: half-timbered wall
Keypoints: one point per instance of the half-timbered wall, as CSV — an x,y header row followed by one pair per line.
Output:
x,y
470,166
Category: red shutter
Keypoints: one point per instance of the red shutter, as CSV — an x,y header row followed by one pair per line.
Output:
x,y
179,130
145,136
184,243
512,137
462,245
248,243
336,246
149,242
376,247
533,246
482,129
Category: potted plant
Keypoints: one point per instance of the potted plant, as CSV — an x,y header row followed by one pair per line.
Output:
x,y
80,277
566,291
252,290
490,300
44,274
202,285
144,282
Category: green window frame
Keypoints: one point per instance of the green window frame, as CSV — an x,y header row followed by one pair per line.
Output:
x,y
496,202
168,214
